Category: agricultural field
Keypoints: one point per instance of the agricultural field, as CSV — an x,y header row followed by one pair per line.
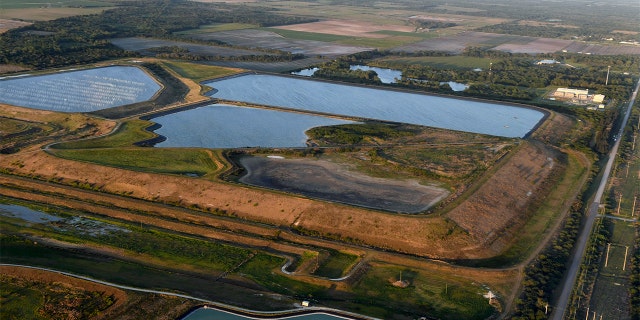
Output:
x,y
37,11
311,43
514,44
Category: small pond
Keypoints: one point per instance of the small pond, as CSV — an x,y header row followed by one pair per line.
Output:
x,y
225,126
26,214
389,105
80,90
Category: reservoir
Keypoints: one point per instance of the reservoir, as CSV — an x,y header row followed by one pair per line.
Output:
x,y
387,105
215,314
80,90
225,126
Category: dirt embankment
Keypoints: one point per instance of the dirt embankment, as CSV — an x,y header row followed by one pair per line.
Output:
x,y
428,236
467,232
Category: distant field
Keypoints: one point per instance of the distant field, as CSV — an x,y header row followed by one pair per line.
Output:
x,y
306,35
43,10
513,43
285,40
351,28
215,28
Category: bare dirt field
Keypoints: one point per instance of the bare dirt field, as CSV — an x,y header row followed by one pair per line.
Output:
x,y
536,45
270,40
516,44
347,28
6,24
614,49
330,181
144,44
492,209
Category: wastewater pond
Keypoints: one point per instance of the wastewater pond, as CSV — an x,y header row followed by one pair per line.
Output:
x,y
225,126
79,90
215,314
388,105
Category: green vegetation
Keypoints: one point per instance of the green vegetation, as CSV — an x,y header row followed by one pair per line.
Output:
x,y
301,35
456,62
350,134
84,39
382,43
19,301
117,150
336,264
199,72
443,297
159,160
216,27
128,133
169,247
27,299
264,270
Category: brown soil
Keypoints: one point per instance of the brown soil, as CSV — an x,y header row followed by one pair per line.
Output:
x,y
34,275
347,28
429,236
6,24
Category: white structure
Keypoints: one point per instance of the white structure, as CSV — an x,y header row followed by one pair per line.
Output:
x,y
598,98
571,93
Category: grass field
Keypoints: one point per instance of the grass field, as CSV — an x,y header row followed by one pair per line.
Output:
x,y
300,35
195,162
20,4
42,10
199,72
126,135
380,43
336,264
439,295
24,299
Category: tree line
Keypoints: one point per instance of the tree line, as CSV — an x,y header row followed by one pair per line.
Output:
x,y
85,39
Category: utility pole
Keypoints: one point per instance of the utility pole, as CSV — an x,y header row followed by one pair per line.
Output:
x,y
619,203
624,264
606,260
607,81
633,208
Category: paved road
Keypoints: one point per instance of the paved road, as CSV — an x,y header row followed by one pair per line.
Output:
x,y
570,279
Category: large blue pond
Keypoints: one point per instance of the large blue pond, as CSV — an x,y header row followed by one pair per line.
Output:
x,y
80,90
224,126
435,111
214,314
